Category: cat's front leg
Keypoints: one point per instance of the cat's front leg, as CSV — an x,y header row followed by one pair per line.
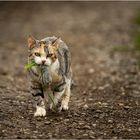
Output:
x,y
38,97
40,108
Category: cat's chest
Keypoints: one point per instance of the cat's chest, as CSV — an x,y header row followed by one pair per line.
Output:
x,y
55,66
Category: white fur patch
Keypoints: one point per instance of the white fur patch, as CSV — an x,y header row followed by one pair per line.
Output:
x,y
40,111
68,83
55,66
64,103
38,60
48,62
65,107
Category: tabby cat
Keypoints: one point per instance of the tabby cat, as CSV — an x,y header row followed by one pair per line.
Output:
x,y
51,75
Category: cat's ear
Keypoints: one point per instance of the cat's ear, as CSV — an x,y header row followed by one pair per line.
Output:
x,y
31,41
56,42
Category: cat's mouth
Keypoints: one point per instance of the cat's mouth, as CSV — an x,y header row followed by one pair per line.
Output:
x,y
43,66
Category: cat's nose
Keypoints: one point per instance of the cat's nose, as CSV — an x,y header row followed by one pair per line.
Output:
x,y
43,62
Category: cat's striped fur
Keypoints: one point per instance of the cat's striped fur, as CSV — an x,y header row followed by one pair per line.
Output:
x,y
52,74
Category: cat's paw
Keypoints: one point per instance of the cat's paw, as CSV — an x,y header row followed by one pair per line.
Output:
x,y
64,107
40,111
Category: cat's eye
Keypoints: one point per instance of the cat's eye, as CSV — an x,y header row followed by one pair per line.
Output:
x,y
37,54
50,55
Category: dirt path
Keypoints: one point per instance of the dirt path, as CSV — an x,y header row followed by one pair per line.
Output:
x,y
105,104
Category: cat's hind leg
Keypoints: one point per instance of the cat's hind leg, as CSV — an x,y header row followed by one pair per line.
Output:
x,y
56,98
66,96
58,92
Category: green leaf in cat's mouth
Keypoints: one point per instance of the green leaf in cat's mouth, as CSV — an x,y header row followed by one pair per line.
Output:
x,y
29,65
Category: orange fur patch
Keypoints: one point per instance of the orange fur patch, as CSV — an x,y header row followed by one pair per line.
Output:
x,y
53,50
55,77
40,49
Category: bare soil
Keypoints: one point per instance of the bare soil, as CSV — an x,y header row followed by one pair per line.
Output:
x,y
106,101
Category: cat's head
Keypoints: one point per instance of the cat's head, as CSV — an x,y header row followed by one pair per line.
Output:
x,y
42,52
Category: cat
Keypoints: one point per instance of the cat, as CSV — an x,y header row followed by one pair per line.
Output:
x,y
52,74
